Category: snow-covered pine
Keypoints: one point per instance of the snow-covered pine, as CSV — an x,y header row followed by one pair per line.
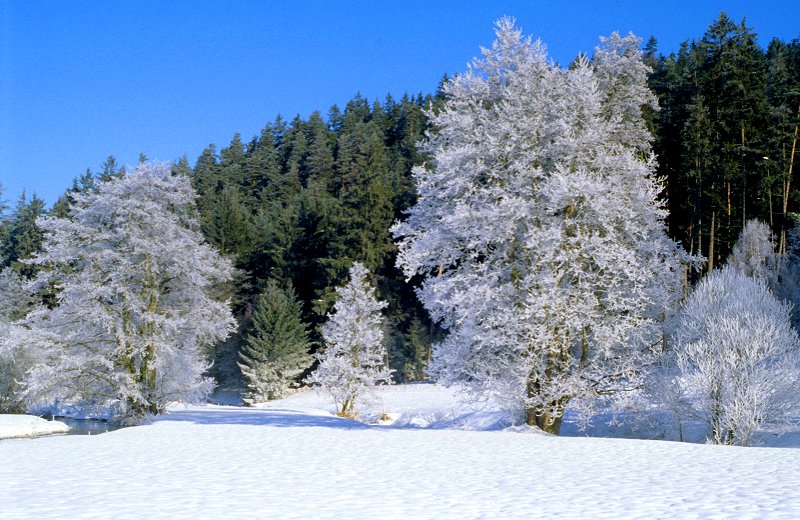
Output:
x,y
136,299
738,357
276,351
354,359
538,231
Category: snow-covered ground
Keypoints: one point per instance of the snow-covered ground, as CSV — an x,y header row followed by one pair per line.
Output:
x,y
28,426
440,459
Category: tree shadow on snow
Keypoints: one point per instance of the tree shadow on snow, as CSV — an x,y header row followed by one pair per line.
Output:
x,y
261,417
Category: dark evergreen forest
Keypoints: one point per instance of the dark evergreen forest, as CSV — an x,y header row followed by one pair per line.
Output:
x,y
298,203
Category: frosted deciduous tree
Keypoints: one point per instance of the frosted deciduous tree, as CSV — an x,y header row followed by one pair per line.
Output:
x,y
538,232
753,254
787,285
16,357
276,351
738,357
137,299
354,358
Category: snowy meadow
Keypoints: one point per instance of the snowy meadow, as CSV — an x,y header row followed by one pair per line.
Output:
x,y
294,458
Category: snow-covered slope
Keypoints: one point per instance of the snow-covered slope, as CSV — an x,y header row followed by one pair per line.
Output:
x,y
293,459
28,426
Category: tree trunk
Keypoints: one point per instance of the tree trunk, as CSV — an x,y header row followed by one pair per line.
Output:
x,y
546,417
711,240
786,187
347,408
149,367
544,420
148,381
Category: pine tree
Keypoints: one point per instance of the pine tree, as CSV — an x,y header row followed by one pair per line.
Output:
x,y
23,235
419,356
226,223
354,358
538,231
110,170
276,350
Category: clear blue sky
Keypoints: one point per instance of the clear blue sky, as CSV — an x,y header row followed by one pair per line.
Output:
x,y
83,80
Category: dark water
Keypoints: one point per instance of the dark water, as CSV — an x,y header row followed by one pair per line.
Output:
x,y
88,426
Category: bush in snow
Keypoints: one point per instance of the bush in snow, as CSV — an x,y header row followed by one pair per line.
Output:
x,y
738,357
276,351
538,230
354,358
136,303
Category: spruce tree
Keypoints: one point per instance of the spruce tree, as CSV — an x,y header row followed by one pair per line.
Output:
x,y
276,351
354,359
23,235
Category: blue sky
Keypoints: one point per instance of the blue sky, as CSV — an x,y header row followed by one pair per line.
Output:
x,y
80,81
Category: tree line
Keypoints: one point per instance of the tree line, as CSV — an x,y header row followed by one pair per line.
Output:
x,y
726,135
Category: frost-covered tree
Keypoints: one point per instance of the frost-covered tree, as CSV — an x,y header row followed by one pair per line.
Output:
x,y
276,351
787,285
538,231
137,299
15,357
354,358
738,357
753,254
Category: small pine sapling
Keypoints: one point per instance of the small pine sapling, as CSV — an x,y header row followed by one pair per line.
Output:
x,y
354,358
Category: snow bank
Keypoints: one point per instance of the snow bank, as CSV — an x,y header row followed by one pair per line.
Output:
x,y
28,426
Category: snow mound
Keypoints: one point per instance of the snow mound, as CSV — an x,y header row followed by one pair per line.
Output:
x,y
28,426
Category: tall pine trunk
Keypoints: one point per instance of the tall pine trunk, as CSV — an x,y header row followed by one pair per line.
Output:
x,y
712,240
786,187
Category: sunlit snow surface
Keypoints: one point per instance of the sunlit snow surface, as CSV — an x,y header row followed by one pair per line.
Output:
x,y
27,426
293,459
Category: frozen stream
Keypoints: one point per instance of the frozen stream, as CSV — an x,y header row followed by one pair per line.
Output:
x,y
88,426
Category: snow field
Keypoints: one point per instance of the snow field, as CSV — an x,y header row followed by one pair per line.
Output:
x,y
292,459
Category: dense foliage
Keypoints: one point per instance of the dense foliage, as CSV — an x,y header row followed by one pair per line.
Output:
x,y
276,351
304,200
135,300
538,232
726,135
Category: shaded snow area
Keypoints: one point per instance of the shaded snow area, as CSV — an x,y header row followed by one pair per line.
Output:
x,y
439,460
28,426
